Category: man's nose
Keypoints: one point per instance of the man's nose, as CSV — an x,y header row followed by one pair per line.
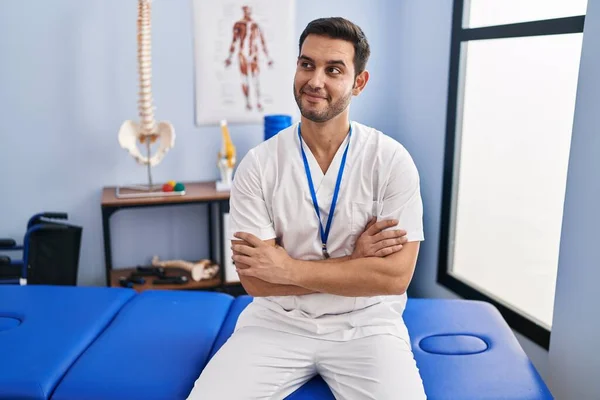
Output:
x,y
317,80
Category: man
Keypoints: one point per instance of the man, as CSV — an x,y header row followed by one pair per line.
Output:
x,y
246,35
329,294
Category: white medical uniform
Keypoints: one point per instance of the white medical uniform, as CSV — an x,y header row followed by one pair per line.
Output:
x,y
281,341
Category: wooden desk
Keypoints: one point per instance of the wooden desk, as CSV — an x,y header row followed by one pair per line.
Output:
x,y
195,193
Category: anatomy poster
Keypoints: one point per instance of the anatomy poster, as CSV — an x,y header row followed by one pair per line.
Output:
x,y
245,57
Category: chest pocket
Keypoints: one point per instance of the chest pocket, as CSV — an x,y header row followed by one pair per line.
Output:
x,y
362,212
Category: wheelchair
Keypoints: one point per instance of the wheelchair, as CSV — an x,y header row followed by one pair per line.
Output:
x,y
49,252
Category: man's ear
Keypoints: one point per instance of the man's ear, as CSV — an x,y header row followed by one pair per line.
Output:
x,y
360,82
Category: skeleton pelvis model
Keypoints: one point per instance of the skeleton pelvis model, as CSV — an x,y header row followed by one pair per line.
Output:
x,y
147,131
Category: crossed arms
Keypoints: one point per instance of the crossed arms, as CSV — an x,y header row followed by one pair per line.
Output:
x,y
382,263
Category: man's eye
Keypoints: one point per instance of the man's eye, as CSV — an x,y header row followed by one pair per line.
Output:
x,y
334,71
305,65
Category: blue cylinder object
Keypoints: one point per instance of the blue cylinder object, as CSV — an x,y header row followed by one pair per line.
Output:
x,y
276,123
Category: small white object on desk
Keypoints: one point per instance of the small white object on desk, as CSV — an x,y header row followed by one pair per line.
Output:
x,y
223,186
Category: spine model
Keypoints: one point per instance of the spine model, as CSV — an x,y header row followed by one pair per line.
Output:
x,y
147,131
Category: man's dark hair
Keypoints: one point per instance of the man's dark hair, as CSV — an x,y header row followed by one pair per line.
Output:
x,y
340,28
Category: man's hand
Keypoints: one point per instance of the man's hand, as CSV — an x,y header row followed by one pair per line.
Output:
x,y
262,261
375,243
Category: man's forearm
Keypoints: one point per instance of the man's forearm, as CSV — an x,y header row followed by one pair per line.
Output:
x,y
333,260
353,278
370,276
259,288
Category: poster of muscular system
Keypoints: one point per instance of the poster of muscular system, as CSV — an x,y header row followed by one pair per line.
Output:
x,y
245,57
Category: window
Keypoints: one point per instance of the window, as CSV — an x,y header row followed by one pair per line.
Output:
x,y
513,78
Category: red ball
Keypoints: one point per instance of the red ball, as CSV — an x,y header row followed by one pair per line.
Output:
x,y
167,188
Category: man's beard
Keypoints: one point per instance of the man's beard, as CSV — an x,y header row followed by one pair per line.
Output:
x,y
331,111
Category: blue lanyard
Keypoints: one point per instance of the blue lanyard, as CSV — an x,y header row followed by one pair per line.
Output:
x,y
324,232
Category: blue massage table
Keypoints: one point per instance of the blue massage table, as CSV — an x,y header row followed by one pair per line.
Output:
x,y
72,343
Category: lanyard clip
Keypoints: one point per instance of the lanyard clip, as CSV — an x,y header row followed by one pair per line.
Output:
x,y
325,253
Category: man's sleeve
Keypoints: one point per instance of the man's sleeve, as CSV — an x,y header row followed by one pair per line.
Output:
x,y
401,197
247,208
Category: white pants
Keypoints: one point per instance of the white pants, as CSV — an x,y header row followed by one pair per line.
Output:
x,y
260,363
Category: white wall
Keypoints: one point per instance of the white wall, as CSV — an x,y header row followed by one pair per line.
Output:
x,y
574,350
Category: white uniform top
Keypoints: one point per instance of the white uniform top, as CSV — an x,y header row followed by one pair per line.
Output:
x,y
270,198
